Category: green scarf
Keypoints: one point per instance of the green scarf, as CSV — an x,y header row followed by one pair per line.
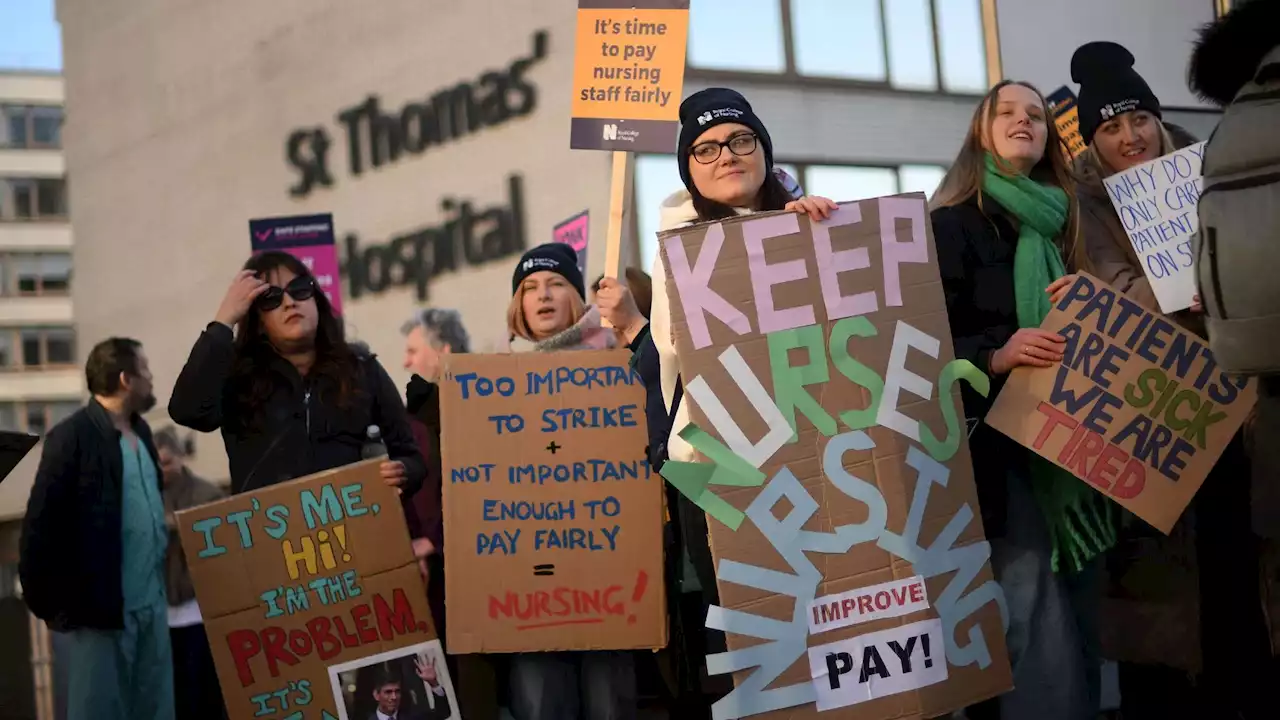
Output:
x,y
1082,521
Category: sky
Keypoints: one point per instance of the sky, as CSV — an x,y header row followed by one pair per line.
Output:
x,y
30,38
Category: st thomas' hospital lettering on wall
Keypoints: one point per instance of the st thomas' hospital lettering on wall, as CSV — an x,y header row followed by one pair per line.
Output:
x,y
375,138
465,235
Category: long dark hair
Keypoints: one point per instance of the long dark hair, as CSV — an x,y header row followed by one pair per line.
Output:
x,y
336,365
771,196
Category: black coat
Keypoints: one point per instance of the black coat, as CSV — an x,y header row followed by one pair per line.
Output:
x,y
71,549
975,260
301,430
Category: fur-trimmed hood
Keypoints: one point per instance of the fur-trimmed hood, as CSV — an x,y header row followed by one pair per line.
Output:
x,y
1229,51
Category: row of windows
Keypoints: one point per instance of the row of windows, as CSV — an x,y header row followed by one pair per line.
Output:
x,y
35,416
31,348
657,177
925,45
30,126
35,274
33,199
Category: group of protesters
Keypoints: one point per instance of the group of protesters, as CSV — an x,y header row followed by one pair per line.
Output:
x,y
1013,218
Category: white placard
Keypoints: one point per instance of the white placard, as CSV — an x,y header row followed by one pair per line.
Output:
x,y
878,664
1156,202
886,600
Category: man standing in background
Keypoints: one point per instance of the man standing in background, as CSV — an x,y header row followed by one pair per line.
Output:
x,y
94,543
431,336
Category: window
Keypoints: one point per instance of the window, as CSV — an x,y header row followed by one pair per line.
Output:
x,y
736,35
35,416
42,415
657,177
31,126
926,45
36,273
838,38
36,348
33,199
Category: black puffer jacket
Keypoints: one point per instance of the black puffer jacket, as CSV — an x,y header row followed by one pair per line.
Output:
x,y
976,246
301,430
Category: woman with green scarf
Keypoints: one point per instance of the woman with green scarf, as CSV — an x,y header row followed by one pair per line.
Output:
x,y
1003,220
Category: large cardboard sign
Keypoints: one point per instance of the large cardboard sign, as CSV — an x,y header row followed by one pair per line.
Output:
x,y
823,396
1066,116
310,239
1138,408
1157,202
299,577
628,74
553,521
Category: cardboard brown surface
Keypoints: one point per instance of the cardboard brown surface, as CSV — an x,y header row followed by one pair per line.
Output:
x,y
271,632
573,562
1110,414
852,505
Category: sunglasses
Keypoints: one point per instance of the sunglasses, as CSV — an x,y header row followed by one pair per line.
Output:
x,y
301,289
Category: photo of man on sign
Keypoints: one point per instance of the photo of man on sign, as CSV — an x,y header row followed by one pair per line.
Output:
x,y
406,684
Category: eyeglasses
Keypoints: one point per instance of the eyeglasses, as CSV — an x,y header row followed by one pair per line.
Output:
x,y
740,145
301,289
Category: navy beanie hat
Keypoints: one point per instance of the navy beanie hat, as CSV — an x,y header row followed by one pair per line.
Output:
x,y
553,257
708,108
1109,86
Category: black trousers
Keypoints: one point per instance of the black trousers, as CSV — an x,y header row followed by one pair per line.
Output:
x,y
196,692
1239,678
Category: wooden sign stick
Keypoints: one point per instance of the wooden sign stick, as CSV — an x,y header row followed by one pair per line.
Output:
x,y
619,214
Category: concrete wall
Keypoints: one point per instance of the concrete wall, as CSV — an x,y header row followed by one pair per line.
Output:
x,y
177,126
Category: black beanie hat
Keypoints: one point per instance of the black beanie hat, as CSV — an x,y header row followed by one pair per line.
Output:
x,y
1109,86
553,257
708,108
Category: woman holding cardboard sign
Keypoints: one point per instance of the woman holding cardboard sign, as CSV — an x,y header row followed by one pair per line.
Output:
x,y
290,396
1203,576
725,157
548,313
1002,218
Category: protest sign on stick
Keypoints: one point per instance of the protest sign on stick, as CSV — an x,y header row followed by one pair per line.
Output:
x,y
1138,409
824,401
1066,116
310,239
553,521
299,577
575,232
1156,202
628,75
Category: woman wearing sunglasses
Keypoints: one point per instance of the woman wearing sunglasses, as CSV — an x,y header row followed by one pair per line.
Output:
x,y
288,392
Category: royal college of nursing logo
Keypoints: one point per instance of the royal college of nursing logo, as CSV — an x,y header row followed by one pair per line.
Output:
x,y
610,132
704,118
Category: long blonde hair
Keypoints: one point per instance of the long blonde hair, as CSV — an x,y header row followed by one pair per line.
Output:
x,y
518,326
963,180
1091,158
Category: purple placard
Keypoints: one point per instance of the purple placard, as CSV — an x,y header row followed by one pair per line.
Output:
x,y
574,233
309,238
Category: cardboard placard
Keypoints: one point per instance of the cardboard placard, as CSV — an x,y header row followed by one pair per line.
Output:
x,y
628,74
553,521
299,577
1157,204
1138,409
823,397
575,232
1066,116
309,238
